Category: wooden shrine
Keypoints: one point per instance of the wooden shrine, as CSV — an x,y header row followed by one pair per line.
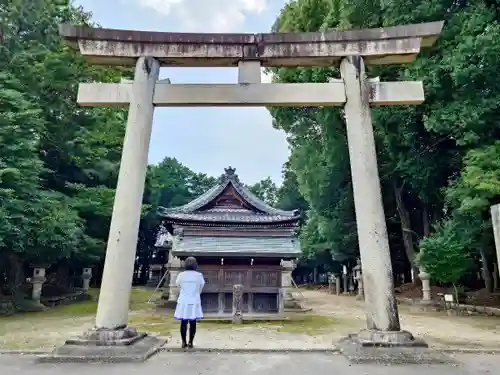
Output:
x,y
236,239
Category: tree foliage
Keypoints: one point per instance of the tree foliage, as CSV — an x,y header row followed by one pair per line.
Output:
x,y
59,161
437,161
445,256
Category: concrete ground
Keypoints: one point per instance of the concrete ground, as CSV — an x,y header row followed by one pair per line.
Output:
x,y
201,363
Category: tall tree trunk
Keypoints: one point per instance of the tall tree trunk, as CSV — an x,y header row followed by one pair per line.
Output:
x,y
406,231
488,282
16,275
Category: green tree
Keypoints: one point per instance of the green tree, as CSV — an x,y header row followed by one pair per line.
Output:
x,y
35,225
445,256
288,196
266,190
69,156
421,149
173,184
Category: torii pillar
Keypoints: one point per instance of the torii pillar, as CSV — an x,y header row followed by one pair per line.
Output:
x,y
495,219
248,52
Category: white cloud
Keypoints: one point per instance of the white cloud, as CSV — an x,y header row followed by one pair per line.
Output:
x,y
163,6
208,15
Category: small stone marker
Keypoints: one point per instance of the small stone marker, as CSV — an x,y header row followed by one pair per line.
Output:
x,y
237,304
345,281
449,303
337,285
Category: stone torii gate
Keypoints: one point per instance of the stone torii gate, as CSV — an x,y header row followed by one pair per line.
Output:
x,y
148,51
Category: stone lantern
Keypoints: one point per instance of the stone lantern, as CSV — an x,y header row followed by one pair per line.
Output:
x,y
86,276
358,274
37,281
426,286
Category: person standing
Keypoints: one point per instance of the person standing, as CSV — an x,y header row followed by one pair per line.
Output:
x,y
188,309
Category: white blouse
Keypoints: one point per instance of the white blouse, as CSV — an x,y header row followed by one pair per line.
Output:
x,y
191,284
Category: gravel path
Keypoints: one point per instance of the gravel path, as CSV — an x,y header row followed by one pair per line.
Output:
x,y
438,329
346,313
257,337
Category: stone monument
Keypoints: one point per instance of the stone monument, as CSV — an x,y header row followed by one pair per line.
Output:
x,y
237,304
289,302
249,52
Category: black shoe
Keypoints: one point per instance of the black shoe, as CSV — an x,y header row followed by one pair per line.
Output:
x,y
190,345
184,345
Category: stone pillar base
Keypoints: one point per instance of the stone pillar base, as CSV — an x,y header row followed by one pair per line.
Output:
x,y
389,347
369,337
106,337
107,345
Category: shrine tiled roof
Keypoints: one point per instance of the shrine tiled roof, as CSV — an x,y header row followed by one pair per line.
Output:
x,y
236,216
196,209
247,246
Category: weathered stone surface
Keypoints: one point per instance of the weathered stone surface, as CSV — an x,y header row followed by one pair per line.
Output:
x,y
113,307
383,45
372,346
237,304
357,353
373,240
250,95
370,337
137,352
108,337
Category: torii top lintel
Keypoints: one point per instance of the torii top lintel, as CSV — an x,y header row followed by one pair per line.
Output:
x,y
390,45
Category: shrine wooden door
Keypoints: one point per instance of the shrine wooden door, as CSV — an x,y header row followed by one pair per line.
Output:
x,y
261,287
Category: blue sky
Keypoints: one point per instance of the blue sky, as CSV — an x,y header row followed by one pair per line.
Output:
x,y
205,139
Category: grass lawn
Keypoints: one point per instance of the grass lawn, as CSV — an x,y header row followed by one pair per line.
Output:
x,y
48,329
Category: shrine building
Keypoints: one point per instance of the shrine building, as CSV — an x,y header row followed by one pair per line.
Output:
x,y
237,239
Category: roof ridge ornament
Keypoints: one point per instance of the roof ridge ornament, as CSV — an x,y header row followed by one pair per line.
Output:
x,y
229,174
